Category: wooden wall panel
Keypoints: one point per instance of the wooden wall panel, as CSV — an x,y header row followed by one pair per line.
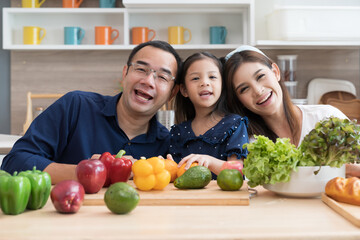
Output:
x,y
61,72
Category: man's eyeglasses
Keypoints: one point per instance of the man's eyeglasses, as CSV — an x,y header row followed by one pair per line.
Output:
x,y
160,76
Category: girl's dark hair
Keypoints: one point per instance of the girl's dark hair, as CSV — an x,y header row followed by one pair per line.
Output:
x,y
184,108
257,125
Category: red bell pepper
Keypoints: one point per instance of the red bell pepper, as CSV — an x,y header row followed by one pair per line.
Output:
x,y
106,158
120,169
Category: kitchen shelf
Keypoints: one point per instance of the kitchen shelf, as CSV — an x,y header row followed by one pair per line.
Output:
x,y
55,19
277,44
239,22
186,3
117,47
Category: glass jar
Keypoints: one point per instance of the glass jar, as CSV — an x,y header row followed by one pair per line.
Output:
x,y
287,65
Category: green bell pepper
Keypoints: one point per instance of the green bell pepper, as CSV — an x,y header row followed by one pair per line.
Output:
x,y
2,172
14,193
40,188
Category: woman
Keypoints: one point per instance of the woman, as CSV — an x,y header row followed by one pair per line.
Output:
x,y
256,89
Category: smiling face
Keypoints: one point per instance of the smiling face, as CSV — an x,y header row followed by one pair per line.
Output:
x,y
145,95
257,87
202,84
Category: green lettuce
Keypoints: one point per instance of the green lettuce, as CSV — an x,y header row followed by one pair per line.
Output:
x,y
269,162
333,142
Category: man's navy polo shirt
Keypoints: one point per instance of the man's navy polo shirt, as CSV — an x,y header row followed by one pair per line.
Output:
x,y
77,126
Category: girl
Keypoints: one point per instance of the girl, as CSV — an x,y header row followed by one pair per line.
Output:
x,y
205,133
255,89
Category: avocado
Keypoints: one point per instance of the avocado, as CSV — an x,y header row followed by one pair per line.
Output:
x,y
195,177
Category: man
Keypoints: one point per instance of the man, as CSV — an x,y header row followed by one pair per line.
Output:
x,y
82,123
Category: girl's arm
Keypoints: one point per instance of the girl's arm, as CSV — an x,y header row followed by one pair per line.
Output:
x,y
214,164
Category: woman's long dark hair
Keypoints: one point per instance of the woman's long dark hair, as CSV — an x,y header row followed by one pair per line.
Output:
x,y
257,125
184,108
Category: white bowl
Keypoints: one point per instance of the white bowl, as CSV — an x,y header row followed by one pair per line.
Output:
x,y
304,183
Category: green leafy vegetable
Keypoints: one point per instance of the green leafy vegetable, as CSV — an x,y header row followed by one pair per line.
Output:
x,y
269,162
333,142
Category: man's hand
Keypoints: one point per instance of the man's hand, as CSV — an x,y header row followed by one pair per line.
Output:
x,y
59,172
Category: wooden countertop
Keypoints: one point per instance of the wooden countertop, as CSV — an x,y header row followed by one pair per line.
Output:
x,y
267,217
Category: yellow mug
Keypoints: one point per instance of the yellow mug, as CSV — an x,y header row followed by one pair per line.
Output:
x,y
176,35
32,3
33,35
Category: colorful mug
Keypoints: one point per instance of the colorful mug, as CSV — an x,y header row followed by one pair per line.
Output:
x,y
33,35
32,3
217,34
107,3
72,3
141,35
176,35
73,35
103,35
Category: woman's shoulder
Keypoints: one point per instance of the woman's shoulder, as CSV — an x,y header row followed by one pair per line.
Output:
x,y
316,107
321,110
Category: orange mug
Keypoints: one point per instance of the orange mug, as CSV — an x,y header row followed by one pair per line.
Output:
x,y
103,35
72,3
141,35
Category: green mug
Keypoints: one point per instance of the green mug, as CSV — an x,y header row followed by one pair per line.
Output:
x,y
217,34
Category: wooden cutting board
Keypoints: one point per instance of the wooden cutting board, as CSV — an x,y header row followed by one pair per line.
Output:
x,y
210,195
348,211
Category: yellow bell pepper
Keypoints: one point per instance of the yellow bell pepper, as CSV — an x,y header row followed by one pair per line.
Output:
x,y
150,174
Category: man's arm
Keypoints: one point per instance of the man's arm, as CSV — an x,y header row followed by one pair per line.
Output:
x,y
60,172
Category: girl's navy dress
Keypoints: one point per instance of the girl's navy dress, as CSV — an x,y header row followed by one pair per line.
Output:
x,y
224,139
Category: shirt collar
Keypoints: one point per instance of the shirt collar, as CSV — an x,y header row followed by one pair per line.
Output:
x,y
110,105
156,130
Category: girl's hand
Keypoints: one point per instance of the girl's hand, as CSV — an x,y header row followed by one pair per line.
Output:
x,y
201,159
169,156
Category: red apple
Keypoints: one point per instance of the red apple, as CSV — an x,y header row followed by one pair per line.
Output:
x,y
238,165
91,173
67,196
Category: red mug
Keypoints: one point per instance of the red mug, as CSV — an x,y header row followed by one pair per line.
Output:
x,y
103,35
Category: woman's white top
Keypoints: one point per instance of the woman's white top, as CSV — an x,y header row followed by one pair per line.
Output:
x,y
311,114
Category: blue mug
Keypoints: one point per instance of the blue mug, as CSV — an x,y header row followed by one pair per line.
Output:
x,y
217,34
73,35
107,3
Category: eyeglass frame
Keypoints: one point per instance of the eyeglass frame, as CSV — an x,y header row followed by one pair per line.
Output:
x,y
149,70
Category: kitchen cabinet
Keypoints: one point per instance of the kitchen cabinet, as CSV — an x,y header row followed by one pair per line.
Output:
x,y
236,16
283,24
